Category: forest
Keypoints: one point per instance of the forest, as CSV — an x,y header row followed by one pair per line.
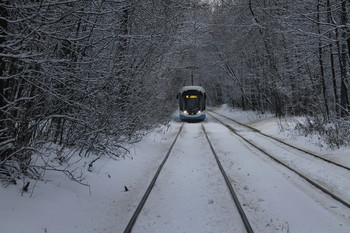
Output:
x,y
95,76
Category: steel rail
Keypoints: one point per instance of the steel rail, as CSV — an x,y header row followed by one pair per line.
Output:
x,y
133,219
345,203
282,142
229,185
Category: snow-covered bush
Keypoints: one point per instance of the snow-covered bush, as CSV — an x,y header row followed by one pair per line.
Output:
x,y
333,133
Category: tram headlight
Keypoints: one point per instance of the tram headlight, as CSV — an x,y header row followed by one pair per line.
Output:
x,y
185,112
198,112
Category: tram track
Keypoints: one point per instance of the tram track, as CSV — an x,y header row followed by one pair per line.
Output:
x,y
201,173
138,210
229,186
282,142
279,161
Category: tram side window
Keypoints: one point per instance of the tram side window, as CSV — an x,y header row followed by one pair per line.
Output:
x,y
181,104
203,101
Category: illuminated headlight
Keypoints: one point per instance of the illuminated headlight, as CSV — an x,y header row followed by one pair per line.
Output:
x,y
185,112
198,112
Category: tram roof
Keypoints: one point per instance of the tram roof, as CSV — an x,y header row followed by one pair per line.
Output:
x,y
197,88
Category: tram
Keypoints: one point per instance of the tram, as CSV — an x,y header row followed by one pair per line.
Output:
x,y
192,103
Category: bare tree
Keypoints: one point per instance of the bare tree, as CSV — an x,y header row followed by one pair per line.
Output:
x,y
81,74
289,57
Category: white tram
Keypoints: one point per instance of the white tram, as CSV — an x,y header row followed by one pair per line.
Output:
x,y
192,103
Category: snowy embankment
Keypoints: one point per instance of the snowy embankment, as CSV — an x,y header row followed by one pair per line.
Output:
x,y
284,129
59,205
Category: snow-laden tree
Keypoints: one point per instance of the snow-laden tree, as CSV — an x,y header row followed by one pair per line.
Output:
x,y
89,75
289,57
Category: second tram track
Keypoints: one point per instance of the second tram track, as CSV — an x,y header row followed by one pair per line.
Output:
x,y
345,203
282,142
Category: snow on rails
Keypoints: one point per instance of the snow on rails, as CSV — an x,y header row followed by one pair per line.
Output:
x,y
215,177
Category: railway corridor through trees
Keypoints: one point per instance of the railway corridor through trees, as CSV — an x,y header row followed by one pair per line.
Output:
x,y
190,193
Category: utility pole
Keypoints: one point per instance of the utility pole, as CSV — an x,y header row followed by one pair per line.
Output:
x,y
192,68
194,43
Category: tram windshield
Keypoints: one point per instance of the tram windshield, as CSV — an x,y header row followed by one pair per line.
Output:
x,y
192,101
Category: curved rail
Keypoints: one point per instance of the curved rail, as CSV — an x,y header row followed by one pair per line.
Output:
x,y
150,187
229,185
347,204
282,142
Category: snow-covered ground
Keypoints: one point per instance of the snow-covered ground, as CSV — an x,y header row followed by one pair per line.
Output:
x,y
189,179
284,129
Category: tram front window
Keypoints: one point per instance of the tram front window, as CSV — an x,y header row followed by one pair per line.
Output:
x,y
192,102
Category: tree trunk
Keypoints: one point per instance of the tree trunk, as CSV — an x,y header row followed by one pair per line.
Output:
x,y
3,82
344,100
320,60
334,78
